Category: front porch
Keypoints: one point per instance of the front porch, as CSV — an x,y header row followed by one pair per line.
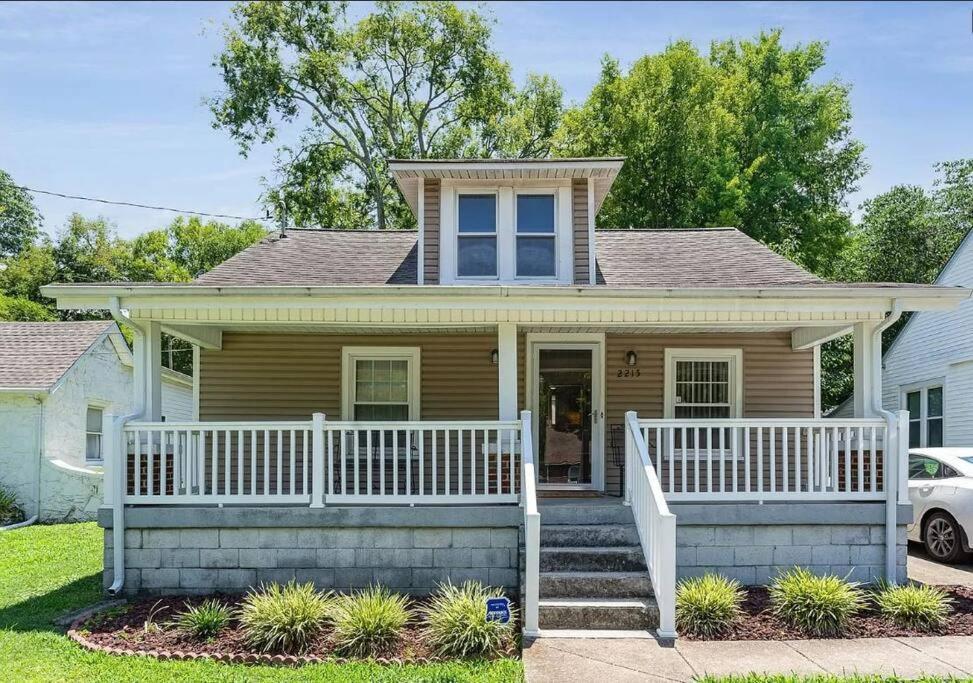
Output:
x,y
348,457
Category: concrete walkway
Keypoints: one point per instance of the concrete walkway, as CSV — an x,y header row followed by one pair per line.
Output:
x,y
550,660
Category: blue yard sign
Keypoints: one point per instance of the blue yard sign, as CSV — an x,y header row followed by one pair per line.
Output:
x,y
498,609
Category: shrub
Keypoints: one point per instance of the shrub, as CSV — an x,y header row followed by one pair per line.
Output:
x,y
369,622
10,512
924,608
287,618
818,605
203,621
456,622
707,606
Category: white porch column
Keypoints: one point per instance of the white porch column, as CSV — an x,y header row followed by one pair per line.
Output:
x,y
148,369
507,370
868,383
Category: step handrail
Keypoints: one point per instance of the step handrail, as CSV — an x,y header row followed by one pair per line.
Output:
x,y
532,527
656,524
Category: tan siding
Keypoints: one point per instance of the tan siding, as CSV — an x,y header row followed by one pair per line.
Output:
x,y
290,376
777,382
430,259
579,218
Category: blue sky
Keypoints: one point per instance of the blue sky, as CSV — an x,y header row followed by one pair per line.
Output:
x,y
106,99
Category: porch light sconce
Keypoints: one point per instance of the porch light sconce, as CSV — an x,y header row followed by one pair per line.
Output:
x,y
631,358
495,357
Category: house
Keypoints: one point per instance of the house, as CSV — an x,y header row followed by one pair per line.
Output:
x,y
929,367
56,382
510,395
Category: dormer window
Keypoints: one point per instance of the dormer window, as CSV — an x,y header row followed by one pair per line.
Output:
x,y
476,244
536,236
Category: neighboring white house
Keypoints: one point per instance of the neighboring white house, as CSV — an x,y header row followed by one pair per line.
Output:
x,y
56,382
929,367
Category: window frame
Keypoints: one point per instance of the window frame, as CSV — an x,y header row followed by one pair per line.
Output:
x,y
735,376
100,407
923,390
466,192
349,357
553,235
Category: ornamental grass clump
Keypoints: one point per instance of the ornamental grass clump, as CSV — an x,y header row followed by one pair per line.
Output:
x,y
10,512
818,605
707,606
284,619
368,623
457,624
918,607
203,621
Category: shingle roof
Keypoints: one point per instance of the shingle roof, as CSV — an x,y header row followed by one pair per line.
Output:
x,y
712,257
36,355
322,258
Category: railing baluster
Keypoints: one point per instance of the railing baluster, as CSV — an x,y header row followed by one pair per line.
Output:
x,y
746,459
305,439
773,460
293,463
860,435
709,460
266,462
874,460
381,462
422,458
355,453
408,463
499,461
785,456
395,462
215,463
369,484
459,462
797,460
446,484
239,463
760,459
734,457
685,447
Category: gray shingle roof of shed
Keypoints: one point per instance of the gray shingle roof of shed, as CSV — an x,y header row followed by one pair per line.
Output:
x,y
712,257
36,355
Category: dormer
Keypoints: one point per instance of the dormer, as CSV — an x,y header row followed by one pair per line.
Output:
x,y
506,221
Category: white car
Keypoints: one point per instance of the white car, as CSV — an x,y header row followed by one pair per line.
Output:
x,y
941,491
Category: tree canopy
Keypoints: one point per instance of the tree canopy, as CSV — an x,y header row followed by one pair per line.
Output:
x,y
407,80
19,219
742,137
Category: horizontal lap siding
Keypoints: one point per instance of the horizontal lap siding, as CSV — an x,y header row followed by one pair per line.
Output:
x,y
290,376
777,382
579,221
430,259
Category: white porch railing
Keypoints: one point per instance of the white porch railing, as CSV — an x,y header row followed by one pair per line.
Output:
x,y
318,462
768,459
656,524
532,531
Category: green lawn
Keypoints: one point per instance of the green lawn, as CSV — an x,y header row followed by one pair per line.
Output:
x,y
46,571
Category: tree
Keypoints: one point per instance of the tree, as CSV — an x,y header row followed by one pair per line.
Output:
x,y
19,219
187,248
23,310
743,137
417,80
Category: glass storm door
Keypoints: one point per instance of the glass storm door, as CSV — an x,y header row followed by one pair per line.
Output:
x,y
564,417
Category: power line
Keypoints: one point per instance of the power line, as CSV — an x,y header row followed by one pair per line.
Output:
x,y
137,205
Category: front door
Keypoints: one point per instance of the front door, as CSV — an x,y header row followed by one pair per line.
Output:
x,y
566,404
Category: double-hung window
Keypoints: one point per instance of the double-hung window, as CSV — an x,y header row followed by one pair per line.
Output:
x,y
925,406
703,383
380,384
92,445
536,236
476,247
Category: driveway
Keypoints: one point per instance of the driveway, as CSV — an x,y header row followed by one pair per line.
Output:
x,y
925,570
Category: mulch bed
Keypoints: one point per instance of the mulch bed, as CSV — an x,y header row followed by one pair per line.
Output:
x,y
122,630
759,623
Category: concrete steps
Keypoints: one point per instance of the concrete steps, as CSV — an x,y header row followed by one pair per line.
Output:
x,y
592,559
626,614
593,573
595,584
589,535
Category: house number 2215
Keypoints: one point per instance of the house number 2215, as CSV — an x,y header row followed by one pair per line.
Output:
x,y
628,372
